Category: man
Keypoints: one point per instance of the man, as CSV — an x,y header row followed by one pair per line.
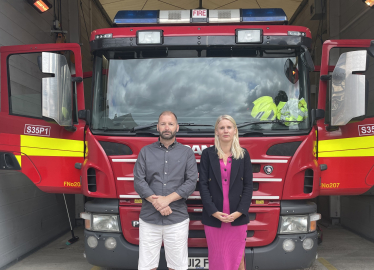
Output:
x,y
165,174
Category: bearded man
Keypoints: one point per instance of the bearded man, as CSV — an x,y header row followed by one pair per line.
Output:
x,y
165,174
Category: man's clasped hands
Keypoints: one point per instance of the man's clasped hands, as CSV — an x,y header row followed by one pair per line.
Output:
x,y
161,203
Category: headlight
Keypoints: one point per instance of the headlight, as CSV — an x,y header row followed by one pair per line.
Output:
x,y
294,224
105,223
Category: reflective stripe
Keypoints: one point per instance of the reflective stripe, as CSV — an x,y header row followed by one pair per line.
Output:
x,y
138,197
125,178
129,196
42,146
124,160
130,160
347,147
269,160
265,197
254,179
267,179
198,197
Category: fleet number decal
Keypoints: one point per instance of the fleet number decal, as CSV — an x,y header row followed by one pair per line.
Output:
x,y
330,185
36,130
366,130
72,184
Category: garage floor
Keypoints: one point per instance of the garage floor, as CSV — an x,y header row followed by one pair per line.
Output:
x,y
341,249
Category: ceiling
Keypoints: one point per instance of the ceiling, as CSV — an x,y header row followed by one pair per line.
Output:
x,y
112,6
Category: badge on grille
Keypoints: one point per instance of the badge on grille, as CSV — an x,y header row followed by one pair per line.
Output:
x,y
268,169
135,223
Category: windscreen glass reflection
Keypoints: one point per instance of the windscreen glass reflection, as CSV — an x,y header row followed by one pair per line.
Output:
x,y
198,90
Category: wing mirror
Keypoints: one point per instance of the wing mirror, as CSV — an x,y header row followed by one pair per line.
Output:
x,y
291,72
306,58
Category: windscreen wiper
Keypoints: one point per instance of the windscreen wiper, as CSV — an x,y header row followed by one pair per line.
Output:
x,y
266,122
155,124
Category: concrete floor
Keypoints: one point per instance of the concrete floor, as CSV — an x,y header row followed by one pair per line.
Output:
x,y
341,250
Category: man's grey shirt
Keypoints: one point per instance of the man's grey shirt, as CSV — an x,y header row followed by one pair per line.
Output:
x,y
162,171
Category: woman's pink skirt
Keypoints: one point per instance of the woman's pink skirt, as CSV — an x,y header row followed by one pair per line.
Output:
x,y
225,246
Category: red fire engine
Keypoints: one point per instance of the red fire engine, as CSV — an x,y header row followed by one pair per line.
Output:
x,y
200,64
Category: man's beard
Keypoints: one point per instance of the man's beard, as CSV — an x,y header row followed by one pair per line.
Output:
x,y
169,136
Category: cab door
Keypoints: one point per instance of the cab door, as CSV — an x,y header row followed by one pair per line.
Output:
x,y
40,133
346,135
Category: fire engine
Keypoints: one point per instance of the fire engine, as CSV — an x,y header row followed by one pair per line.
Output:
x,y
247,63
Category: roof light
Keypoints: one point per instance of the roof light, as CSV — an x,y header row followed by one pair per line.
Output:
x,y
264,15
40,5
296,33
136,16
174,16
149,37
224,15
270,15
199,15
248,36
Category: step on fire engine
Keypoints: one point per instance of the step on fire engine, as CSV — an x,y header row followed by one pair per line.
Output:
x,y
199,64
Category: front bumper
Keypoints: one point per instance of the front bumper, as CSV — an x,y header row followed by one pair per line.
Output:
x,y
271,257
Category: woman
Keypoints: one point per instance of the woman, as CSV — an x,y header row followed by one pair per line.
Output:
x,y
226,191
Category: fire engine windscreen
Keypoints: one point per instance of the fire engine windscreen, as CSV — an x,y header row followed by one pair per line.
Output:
x,y
133,92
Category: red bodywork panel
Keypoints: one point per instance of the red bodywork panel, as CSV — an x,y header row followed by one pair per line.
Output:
x,y
266,201
349,172
265,226
257,148
43,159
204,30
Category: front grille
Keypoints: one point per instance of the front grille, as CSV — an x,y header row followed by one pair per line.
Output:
x,y
283,149
201,234
252,216
255,186
195,215
196,234
198,216
194,202
250,233
256,168
91,180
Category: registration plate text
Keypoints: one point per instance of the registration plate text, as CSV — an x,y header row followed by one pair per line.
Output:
x,y
198,263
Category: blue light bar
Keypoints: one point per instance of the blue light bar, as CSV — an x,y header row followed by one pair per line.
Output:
x,y
264,15
136,16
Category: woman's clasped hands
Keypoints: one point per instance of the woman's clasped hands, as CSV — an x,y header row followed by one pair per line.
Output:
x,y
226,218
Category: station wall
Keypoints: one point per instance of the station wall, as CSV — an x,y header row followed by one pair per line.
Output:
x,y
30,218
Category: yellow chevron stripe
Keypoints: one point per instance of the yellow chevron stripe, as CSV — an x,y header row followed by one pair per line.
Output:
x,y
347,147
43,146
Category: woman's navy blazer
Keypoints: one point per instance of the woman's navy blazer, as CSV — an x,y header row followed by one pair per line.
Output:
x,y
240,190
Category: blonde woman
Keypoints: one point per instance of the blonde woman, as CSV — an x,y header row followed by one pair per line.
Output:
x,y
226,191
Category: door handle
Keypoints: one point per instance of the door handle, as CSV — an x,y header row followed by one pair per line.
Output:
x,y
8,161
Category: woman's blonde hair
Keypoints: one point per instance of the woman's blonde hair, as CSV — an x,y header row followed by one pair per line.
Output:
x,y
236,150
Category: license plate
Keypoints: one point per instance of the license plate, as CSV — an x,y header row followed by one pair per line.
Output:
x,y
198,263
